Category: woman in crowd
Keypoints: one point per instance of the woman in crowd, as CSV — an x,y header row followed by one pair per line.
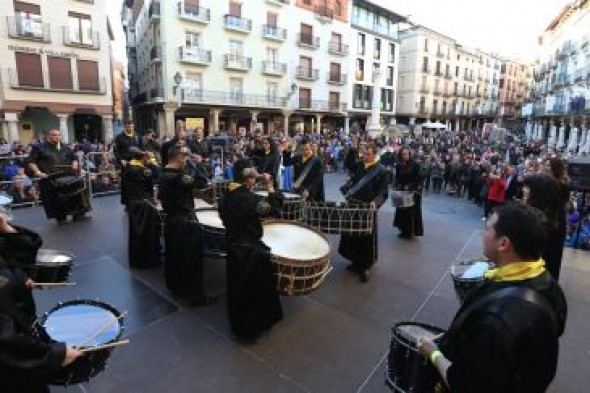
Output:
x,y
407,178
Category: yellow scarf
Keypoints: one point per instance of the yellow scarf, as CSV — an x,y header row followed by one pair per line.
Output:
x,y
517,271
129,135
135,162
370,164
233,185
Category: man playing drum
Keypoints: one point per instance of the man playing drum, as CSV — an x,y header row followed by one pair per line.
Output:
x,y
309,172
369,184
504,338
26,362
253,301
47,161
123,144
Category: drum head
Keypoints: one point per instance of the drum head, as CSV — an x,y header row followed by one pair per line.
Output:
x,y
286,195
469,269
75,323
47,256
5,199
209,218
293,241
410,332
201,204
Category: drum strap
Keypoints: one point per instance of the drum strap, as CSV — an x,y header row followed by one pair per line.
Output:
x,y
363,182
513,292
304,174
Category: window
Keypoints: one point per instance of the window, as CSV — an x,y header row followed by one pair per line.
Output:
x,y
361,44
304,98
28,20
390,74
88,75
457,71
29,69
387,100
235,89
447,70
192,39
272,55
360,69
334,100
80,29
336,39
338,8
438,68
335,72
426,45
425,64
236,49
306,34
271,19
377,49
392,53
305,63
422,107
191,7
60,73
193,85
272,89
357,96
235,9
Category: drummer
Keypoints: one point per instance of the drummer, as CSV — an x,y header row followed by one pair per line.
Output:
x,y
183,266
309,171
26,361
503,341
51,157
369,184
253,301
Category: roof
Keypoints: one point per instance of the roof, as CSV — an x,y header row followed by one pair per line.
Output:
x,y
372,6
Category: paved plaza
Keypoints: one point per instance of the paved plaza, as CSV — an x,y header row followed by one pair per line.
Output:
x,y
334,340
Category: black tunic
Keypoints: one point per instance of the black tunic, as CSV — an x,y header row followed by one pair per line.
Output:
x,y
54,159
362,250
508,345
314,181
253,302
26,362
409,220
143,232
122,145
183,266
553,252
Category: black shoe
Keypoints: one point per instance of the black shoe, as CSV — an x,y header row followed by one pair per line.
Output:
x,y
364,276
352,268
200,301
404,236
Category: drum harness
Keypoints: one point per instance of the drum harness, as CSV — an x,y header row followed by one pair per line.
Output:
x,y
363,182
304,174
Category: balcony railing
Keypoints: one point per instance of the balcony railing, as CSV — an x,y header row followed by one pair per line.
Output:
x,y
232,98
426,70
76,37
437,92
308,41
424,89
235,62
154,11
336,78
337,48
274,68
448,75
362,104
274,33
196,14
324,12
278,2
156,54
16,83
28,29
306,73
157,94
440,54
195,55
236,23
318,105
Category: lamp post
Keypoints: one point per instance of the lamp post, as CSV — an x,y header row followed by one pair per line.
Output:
x,y
176,90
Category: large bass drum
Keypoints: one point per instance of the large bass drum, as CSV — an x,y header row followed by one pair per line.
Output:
x,y
51,266
300,253
292,205
214,233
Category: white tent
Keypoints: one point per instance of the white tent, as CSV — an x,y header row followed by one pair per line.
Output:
x,y
560,138
572,144
552,136
434,125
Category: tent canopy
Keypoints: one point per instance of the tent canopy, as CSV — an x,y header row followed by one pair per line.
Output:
x,y
434,125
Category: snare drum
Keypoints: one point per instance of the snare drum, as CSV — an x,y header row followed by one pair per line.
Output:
x,y
341,218
214,233
402,199
407,370
300,253
6,205
51,266
468,274
75,323
292,205
68,185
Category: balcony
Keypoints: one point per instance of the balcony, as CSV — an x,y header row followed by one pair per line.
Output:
x,y
194,14
156,54
426,70
324,13
438,73
580,75
154,12
18,84
362,104
237,63
337,48
194,56
336,78
28,29
74,37
440,55
468,78
274,33
278,2
447,94
448,76
424,90
274,68
326,106
308,41
437,92
232,98
305,73
235,23
157,94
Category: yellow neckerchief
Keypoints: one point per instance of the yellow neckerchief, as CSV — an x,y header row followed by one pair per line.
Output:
x,y
135,162
304,159
267,152
57,145
517,271
370,164
233,185
129,135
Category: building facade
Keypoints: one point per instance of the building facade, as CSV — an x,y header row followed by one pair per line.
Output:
x,y
560,98
234,66
55,70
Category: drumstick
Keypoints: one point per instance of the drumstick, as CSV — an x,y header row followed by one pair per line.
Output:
x,y
54,284
109,345
102,329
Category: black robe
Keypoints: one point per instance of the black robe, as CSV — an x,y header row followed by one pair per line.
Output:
x,y
553,252
507,345
183,266
362,250
409,219
122,145
52,160
143,239
253,301
314,181
26,362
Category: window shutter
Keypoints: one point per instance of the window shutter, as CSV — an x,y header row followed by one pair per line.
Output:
x,y
60,73
29,69
88,75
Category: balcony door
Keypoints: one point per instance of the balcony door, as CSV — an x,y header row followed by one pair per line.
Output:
x,y
236,51
304,98
334,72
272,56
80,29
235,9
193,86
28,19
306,34
235,90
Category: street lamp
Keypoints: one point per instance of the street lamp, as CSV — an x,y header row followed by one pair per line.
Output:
x,y
177,81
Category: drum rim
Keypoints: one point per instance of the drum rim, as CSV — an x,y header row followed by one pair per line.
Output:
x,y
403,341
88,302
491,265
72,256
201,209
299,262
